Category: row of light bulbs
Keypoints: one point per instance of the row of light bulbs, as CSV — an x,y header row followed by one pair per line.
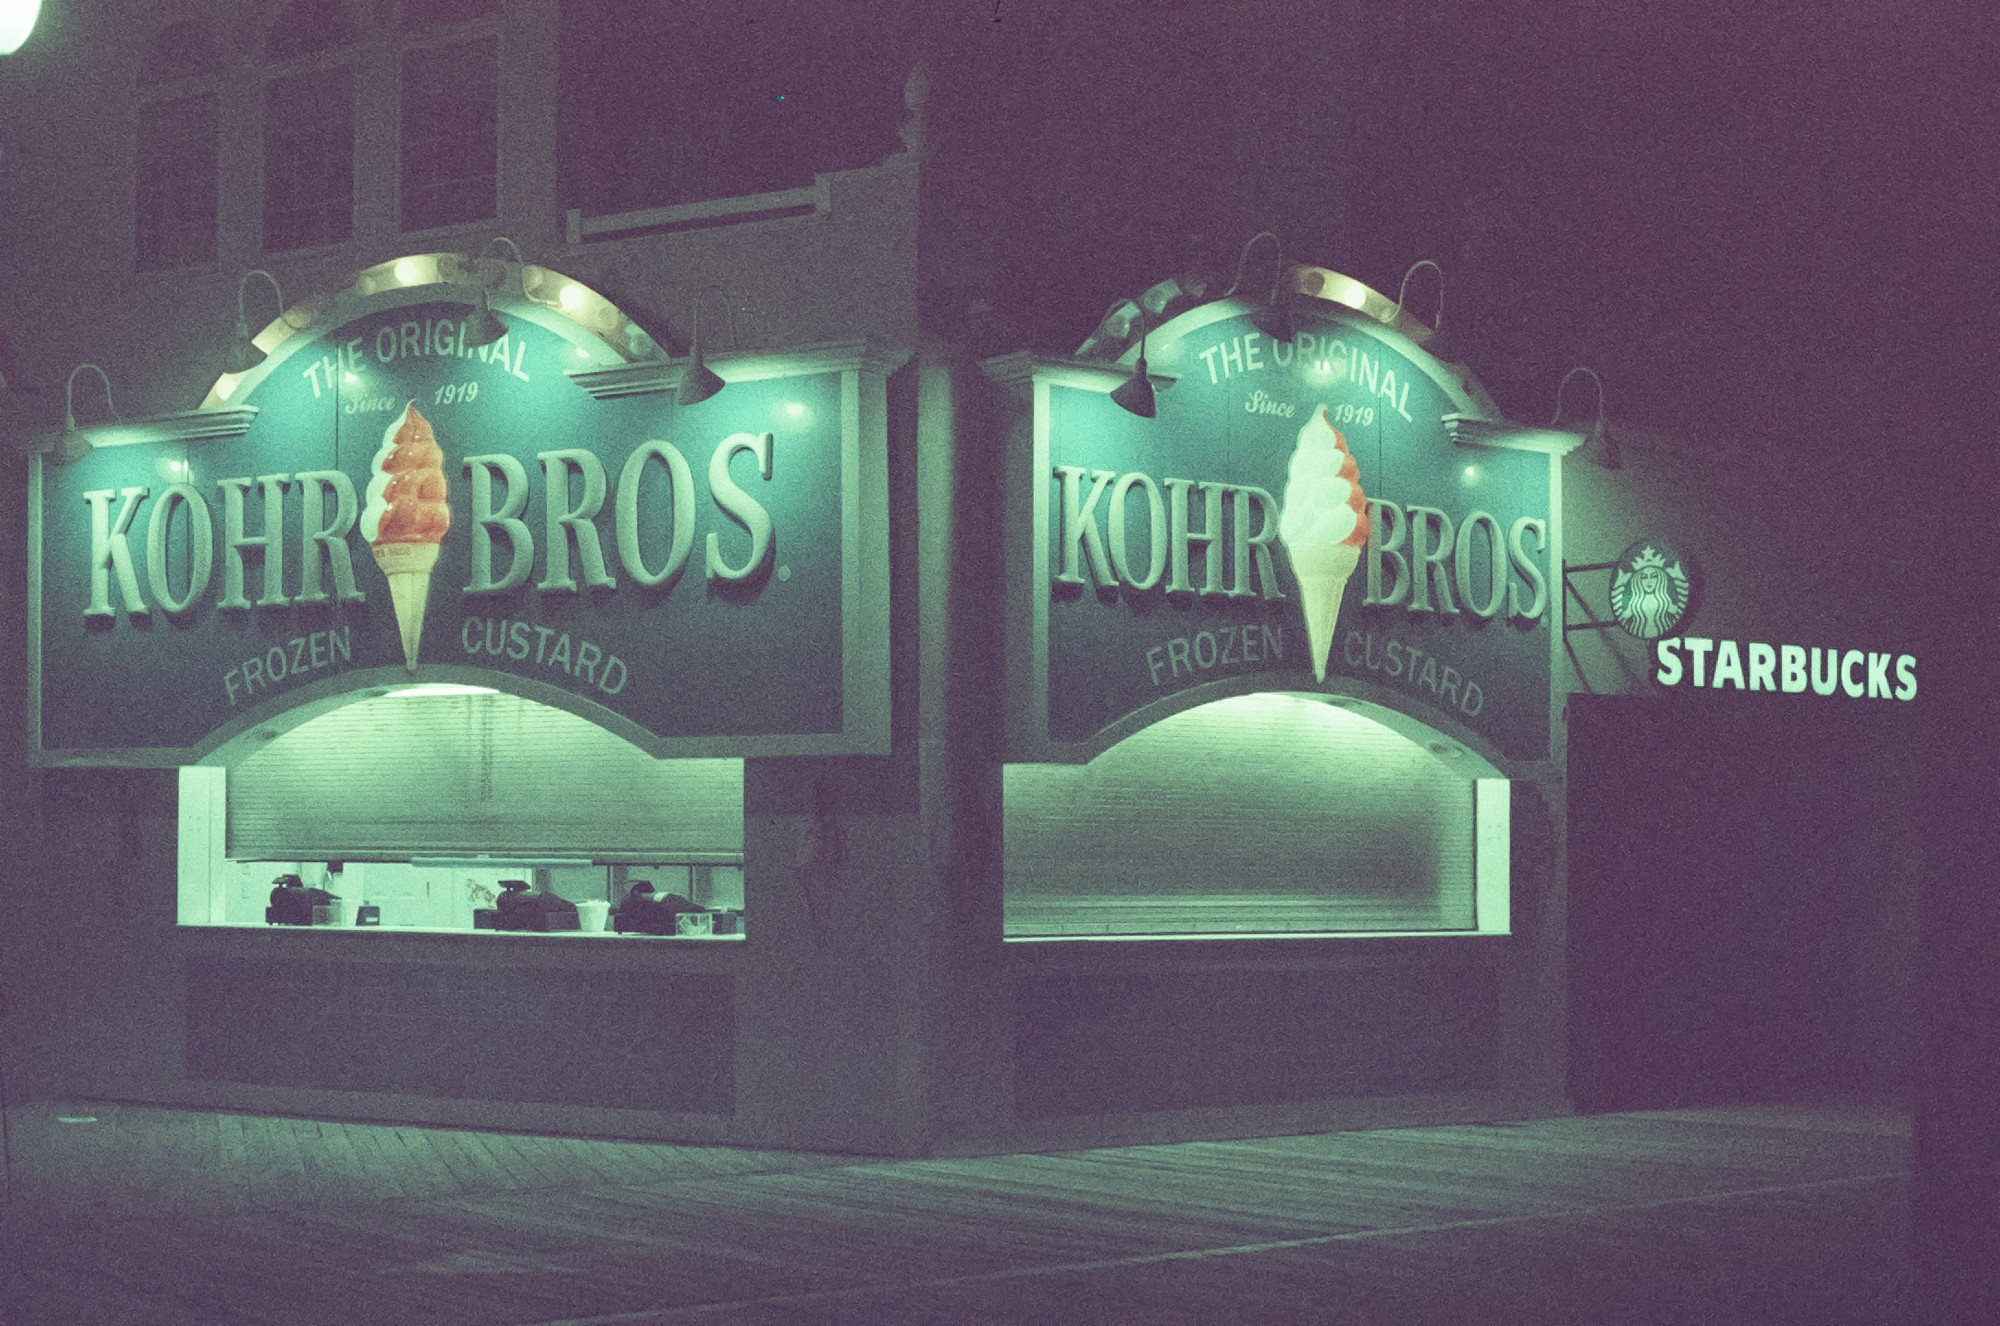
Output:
x,y
698,382
485,326
1136,394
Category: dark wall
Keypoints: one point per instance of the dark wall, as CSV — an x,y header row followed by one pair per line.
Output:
x,y
1183,1038
546,1037
1742,897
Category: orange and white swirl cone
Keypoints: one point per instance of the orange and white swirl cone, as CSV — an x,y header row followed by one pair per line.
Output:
x,y
1324,527
406,519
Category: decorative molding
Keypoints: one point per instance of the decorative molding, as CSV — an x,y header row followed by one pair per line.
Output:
x,y
184,426
1022,367
814,200
1471,431
658,375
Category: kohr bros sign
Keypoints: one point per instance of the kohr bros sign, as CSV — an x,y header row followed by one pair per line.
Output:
x,y
396,505
1299,517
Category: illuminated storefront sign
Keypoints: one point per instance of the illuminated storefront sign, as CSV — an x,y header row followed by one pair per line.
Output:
x,y
398,506
1695,662
1654,588
1297,517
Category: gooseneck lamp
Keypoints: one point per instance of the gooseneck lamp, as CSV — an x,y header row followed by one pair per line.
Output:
x,y
485,326
1437,319
243,352
698,380
1135,394
1598,438
75,444
1274,318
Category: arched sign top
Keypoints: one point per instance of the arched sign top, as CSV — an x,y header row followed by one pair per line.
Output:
x,y
600,334
1299,515
1181,348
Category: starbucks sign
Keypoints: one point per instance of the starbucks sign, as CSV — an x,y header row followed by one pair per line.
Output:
x,y
1653,589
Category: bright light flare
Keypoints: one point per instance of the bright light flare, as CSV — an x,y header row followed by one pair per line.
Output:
x,y
17,20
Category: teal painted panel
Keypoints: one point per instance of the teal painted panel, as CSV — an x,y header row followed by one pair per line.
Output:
x,y
1464,646
697,656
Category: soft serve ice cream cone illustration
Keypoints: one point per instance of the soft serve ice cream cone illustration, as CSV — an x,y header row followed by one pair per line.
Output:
x,y
406,518
1324,525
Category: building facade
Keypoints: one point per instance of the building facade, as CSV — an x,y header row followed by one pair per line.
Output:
x,y
1211,731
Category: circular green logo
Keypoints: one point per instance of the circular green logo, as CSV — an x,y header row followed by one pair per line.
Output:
x,y
1653,585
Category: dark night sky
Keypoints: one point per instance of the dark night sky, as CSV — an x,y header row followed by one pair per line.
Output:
x,y
1757,221
1768,225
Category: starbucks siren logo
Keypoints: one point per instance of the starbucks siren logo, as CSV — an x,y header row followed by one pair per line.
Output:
x,y
1652,589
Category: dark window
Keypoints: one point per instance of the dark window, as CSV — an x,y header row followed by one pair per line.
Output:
x,y
664,104
422,15
308,27
308,159
174,211
450,132
182,50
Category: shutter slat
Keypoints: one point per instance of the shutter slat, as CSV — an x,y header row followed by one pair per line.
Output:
x,y
1260,813
406,775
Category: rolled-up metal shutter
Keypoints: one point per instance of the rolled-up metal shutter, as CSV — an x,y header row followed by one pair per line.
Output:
x,y
1263,813
397,776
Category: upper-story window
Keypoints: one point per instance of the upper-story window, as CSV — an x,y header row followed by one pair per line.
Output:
x,y
664,104
310,27
426,15
176,175
450,124
309,126
183,49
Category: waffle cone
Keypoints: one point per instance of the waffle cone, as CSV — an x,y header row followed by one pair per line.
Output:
x,y
408,567
1322,574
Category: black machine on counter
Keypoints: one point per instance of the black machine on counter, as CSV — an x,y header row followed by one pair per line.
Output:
x,y
646,913
292,903
519,909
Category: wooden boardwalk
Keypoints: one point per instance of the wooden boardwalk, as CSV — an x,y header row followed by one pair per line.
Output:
x,y
1752,1214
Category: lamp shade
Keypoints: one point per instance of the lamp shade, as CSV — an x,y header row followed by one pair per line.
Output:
x,y
1135,394
698,380
485,326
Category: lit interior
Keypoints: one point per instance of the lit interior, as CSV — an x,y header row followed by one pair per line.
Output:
x,y
427,797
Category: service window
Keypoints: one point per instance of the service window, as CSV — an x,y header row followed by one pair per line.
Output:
x,y
1260,814
413,808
